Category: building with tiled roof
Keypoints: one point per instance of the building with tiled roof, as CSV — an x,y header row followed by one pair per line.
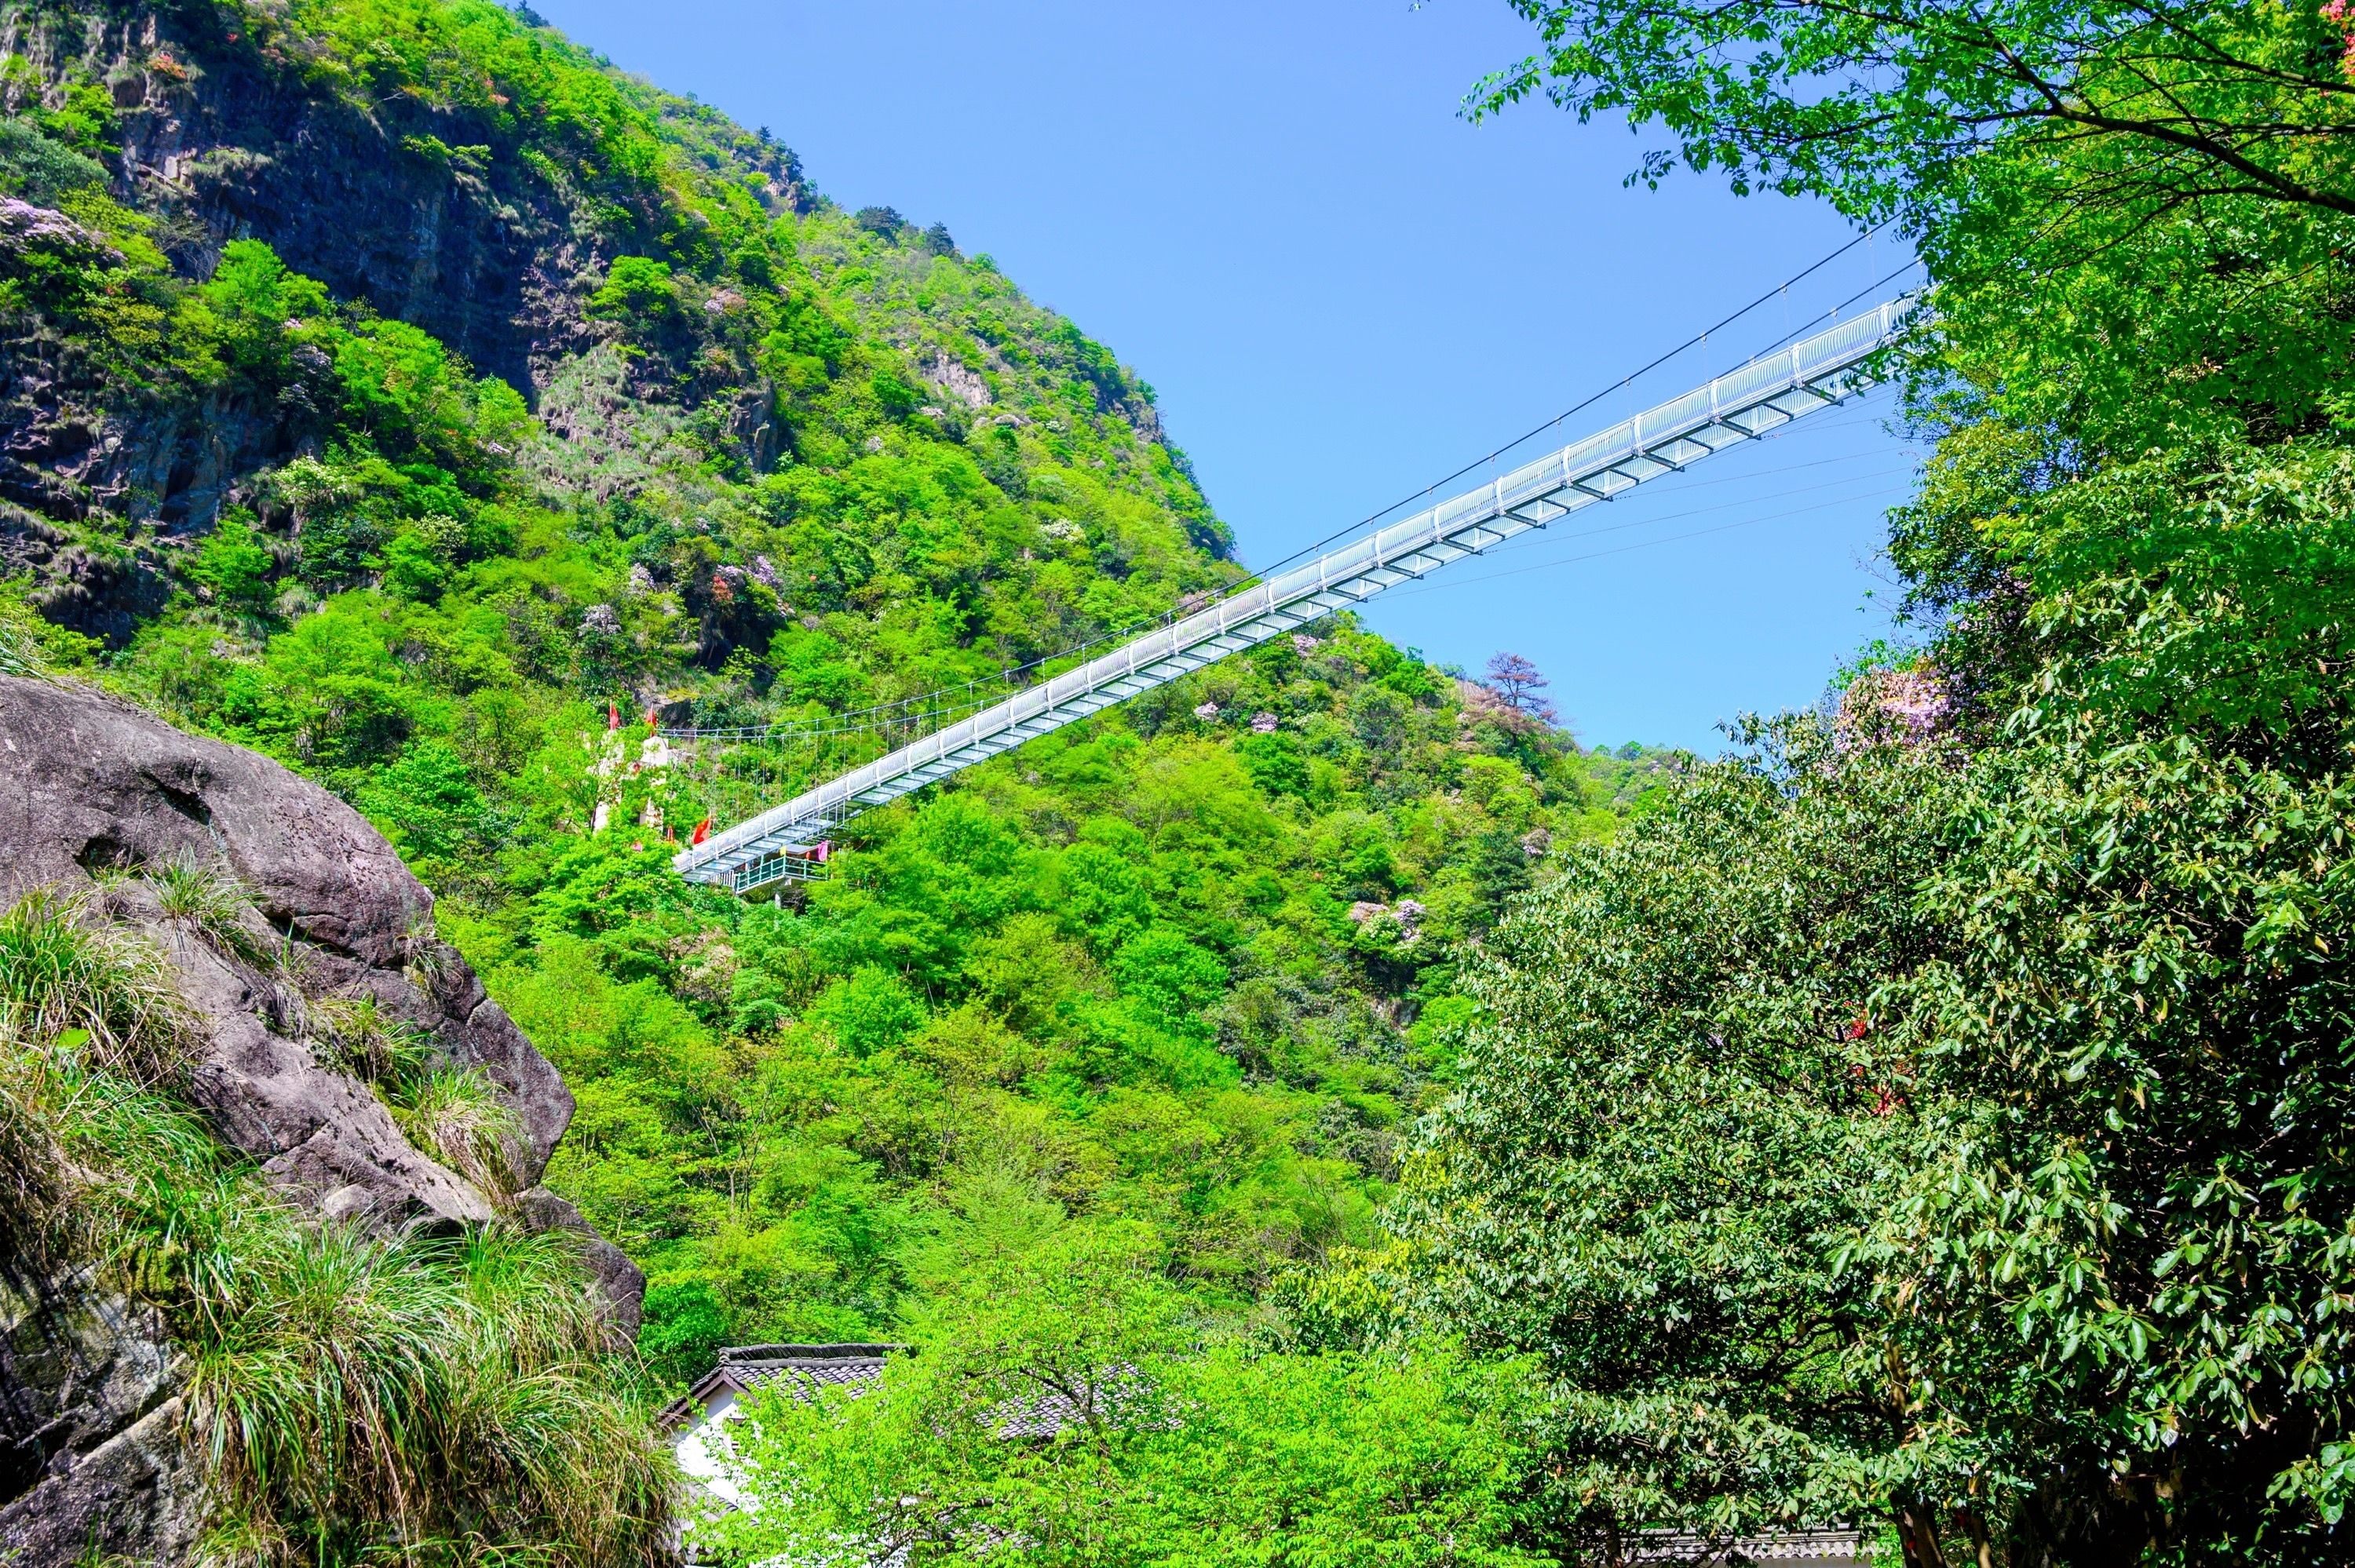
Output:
x,y
694,1419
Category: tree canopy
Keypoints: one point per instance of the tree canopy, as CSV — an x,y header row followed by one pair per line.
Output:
x,y
1937,1112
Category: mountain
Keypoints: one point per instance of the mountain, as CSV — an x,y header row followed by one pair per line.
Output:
x,y
397,389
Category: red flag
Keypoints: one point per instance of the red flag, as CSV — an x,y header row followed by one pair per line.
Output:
x,y
650,718
702,831
613,716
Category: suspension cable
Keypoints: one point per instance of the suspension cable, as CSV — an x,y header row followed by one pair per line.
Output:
x,y
903,710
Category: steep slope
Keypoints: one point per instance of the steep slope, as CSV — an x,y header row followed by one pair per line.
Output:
x,y
654,281
397,389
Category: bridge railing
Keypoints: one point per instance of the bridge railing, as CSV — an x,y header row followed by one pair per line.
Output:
x,y
1744,404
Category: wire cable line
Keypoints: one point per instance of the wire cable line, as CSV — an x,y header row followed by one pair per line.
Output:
x,y
1818,371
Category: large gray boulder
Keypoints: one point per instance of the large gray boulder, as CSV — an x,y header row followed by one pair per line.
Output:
x,y
88,785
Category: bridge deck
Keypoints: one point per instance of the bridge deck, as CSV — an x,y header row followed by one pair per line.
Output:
x,y
1789,384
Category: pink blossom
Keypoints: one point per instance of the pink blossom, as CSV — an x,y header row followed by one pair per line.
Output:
x,y
1908,705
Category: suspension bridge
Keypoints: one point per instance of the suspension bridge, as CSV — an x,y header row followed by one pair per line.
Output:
x,y
790,840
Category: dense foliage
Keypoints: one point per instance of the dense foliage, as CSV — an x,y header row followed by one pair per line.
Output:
x,y
1937,1113
1153,977
1060,1406
1187,970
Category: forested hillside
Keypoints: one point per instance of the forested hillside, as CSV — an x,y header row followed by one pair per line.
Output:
x,y
397,389
1316,1113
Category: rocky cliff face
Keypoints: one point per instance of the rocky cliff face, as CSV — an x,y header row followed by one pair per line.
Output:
x,y
423,210
427,214
92,1462
89,785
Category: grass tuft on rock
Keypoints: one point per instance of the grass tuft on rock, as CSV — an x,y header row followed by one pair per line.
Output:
x,y
443,1394
208,900
460,1118
421,1397
65,967
361,1039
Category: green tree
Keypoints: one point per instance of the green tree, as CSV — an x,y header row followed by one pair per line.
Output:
x,y
2147,202
1886,107
253,298
85,120
870,1009
38,168
1063,1405
2077,1282
684,1326
412,565
235,563
1666,1119
427,803
637,290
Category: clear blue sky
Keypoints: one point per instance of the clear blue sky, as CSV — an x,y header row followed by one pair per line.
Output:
x,y
1342,290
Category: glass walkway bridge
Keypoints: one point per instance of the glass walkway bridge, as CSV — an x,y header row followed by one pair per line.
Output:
x,y
787,841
